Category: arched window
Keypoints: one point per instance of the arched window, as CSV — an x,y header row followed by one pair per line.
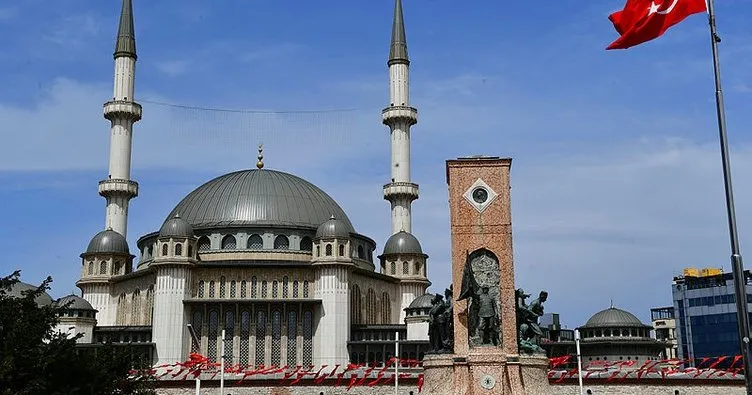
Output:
x,y
245,334
405,268
229,334
190,251
355,314
121,310
149,307
164,249
91,268
306,244
243,290
103,267
178,249
281,243
318,251
417,268
285,281
393,267
292,338
386,309
255,242
197,325
254,287
222,288
276,338
204,244
118,267
211,289
361,253
328,250
229,242
136,308
201,289
341,250
274,289
263,289
307,338
371,317
151,251
233,287
212,335
260,337
305,289
295,286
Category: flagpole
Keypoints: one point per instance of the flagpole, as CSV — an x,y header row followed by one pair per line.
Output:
x,y
740,287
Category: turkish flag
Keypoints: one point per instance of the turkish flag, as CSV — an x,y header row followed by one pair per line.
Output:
x,y
644,20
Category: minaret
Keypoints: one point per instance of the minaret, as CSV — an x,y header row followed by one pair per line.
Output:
x,y
399,116
122,112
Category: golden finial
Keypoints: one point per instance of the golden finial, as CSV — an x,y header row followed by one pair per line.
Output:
x,y
260,163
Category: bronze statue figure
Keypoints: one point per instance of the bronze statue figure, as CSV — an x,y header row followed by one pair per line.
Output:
x,y
527,320
437,324
483,316
449,314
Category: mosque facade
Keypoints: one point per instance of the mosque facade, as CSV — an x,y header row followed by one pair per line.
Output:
x,y
259,266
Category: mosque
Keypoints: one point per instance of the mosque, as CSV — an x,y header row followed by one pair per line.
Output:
x,y
259,260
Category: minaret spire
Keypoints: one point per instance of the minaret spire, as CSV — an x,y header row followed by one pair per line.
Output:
x,y
398,49
125,45
122,112
399,116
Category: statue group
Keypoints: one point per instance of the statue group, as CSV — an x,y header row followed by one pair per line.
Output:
x,y
441,324
530,332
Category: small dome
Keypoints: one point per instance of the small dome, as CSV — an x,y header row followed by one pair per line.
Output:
x,y
106,242
333,228
19,290
402,243
176,227
422,302
76,303
613,317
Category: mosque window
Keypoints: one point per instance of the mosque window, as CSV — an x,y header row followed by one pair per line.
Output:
x,y
201,289
197,322
149,310
292,338
285,283
275,287
281,242
318,250
245,328
405,268
254,287
151,251
103,267
212,335
393,267
136,308
233,286
229,242
307,338
255,242
328,250
417,268
243,289
305,289
164,249
260,337
222,287
295,286
386,308
341,250
121,310
306,244
263,289
371,317
118,267
355,305
211,289
276,338
229,335
178,249
204,244
190,251
361,254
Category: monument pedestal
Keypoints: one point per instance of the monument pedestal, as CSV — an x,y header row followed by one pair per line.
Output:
x,y
485,372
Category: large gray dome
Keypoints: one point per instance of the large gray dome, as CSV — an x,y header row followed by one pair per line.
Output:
x,y
19,290
108,242
258,197
613,317
333,228
76,303
424,301
402,243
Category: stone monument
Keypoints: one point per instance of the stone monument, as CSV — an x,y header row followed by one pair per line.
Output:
x,y
493,337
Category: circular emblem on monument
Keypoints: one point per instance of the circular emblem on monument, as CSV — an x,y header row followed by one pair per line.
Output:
x,y
487,382
480,195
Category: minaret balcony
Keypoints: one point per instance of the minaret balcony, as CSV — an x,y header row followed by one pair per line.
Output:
x,y
118,186
399,113
407,189
114,109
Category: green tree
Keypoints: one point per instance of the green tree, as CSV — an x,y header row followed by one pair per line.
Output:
x,y
36,359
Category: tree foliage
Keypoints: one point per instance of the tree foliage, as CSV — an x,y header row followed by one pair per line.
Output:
x,y
36,359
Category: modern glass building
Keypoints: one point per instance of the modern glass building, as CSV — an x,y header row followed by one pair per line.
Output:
x,y
705,309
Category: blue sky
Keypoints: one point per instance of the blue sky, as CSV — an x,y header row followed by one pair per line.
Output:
x,y
616,177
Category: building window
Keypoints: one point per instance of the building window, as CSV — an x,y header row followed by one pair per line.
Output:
x,y
305,289
245,329
281,243
136,308
164,249
355,305
212,335
295,286
306,244
229,242
307,338
341,250
103,267
260,337
417,268
263,289
285,282
255,242
178,249
361,254
254,287
371,316
222,288
318,251
118,268
405,268
276,338
201,289
386,309
328,250
393,267
190,251
197,322
233,286
204,244
229,335
211,289
292,338
274,289
243,289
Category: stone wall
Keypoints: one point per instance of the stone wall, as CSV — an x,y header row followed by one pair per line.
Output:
x,y
666,388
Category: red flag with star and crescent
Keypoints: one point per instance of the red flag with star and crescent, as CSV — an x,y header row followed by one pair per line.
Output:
x,y
645,20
